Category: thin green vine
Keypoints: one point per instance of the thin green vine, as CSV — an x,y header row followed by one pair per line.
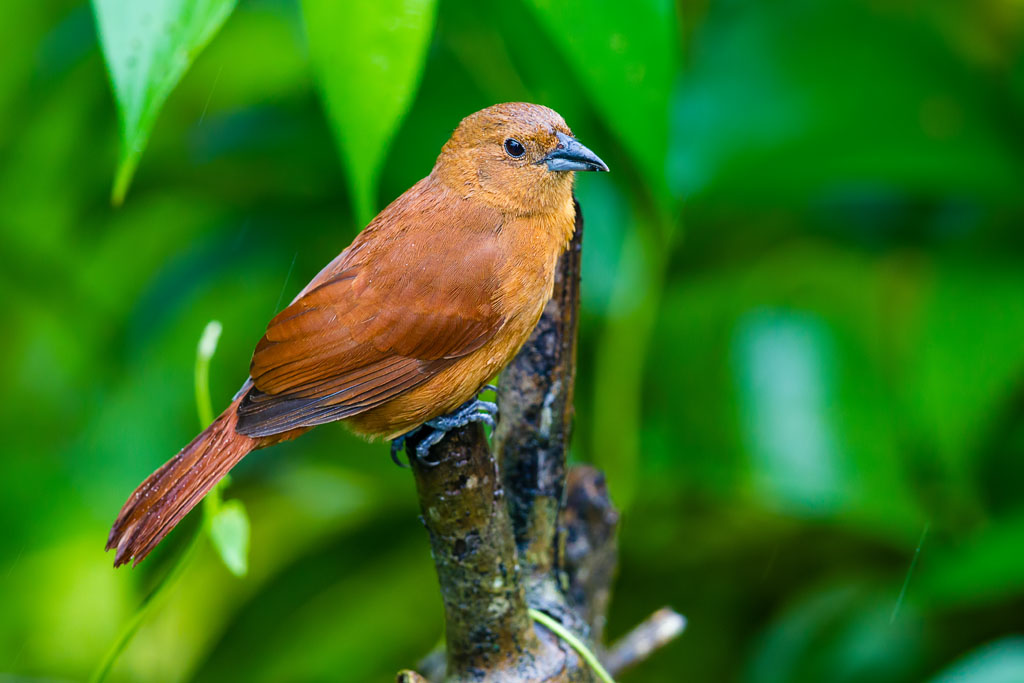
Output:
x,y
584,652
204,353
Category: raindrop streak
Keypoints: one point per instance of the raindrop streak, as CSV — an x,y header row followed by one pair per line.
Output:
x,y
210,96
277,306
910,572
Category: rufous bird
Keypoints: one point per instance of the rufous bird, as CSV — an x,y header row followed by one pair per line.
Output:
x,y
429,302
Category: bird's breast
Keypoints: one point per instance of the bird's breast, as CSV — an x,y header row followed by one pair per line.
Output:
x,y
530,247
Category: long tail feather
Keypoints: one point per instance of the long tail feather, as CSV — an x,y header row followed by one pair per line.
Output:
x,y
161,501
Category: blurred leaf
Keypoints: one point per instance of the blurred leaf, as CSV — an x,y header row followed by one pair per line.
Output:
x,y
229,531
960,376
368,58
839,633
273,74
985,568
998,662
815,109
341,611
607,216
87,601
148,46
626,54
621,357
786,370
788,349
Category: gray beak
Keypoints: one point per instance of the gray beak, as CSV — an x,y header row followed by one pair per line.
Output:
x,y
570,155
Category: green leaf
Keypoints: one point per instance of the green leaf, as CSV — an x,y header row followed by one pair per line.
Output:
x,y
998,662
626,54
229,531
368,58
148,47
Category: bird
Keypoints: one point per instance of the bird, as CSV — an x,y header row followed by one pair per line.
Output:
x,y
405,327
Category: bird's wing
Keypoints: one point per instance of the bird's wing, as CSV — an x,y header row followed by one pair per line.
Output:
x,y
402,304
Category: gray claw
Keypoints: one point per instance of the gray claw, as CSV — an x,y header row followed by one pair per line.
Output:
x,y
423,447
473,410
396,448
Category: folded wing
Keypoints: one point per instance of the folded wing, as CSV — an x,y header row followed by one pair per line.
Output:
x,y
399,306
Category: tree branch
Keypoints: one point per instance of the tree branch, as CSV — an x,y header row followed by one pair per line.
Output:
x,y
535,394
514,529
488,632
591,553
653,633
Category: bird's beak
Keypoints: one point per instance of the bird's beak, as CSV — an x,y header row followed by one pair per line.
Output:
x,y
570,155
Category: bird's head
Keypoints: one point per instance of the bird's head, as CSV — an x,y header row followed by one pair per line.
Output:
x,y
517,157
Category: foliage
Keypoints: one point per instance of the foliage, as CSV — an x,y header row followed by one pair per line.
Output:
x,y
368,79
800,343
148,47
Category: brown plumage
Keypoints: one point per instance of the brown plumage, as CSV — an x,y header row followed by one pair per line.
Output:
x,y
428,303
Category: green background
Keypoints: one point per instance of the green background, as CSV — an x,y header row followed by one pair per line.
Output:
x,y
802,340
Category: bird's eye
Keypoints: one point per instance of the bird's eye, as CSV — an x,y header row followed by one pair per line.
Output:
x,y
514,148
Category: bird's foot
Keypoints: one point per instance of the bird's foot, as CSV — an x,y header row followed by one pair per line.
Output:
x,y
473,410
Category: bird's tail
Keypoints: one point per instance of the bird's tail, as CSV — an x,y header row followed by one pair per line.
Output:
x,y
161,501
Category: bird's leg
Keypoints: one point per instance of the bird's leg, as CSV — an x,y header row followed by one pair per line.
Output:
x,y
397,444
473,410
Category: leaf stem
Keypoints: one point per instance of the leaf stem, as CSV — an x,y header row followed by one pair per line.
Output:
x,y
123,178
204,405
575,643
148,604
204,352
